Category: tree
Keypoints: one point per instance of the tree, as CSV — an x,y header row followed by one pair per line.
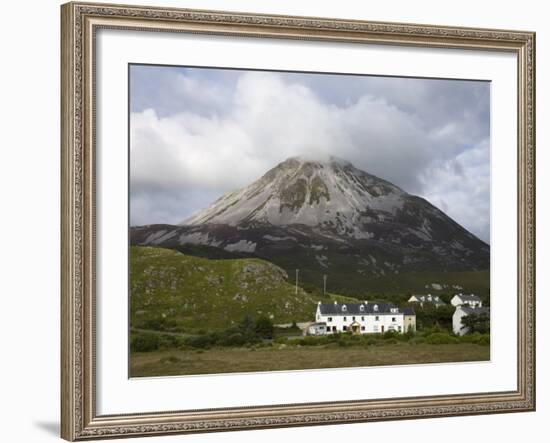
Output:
x,y
264,327
476,323
247,324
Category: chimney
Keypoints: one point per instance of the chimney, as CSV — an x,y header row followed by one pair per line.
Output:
x,y
366,302
335,302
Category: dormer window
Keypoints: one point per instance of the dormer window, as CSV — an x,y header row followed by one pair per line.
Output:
x,y
344,308
362,308
375,308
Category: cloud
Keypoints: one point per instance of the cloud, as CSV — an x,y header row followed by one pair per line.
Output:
x,y
200,133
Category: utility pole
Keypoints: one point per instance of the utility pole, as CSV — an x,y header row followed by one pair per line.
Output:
x,y
324,284
297,281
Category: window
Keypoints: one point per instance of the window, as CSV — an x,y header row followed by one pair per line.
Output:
x,y
363,318
345,328
334,329
377,318
362,328
345,319
344,308
393,319
329,319
353,318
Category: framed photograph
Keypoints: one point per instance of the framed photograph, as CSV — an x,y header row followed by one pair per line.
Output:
x,y
277,221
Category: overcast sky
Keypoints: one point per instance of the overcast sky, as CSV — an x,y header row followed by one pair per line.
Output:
x,y
197,133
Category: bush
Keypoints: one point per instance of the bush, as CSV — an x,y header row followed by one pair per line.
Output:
x,y
370,341
485,340
167,341
235,339
390,335
471,338
263,327
280,340
145,342
199,341
313,341
417,340
441,338
477,338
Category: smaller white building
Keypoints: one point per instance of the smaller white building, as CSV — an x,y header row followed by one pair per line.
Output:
x,y
318,328
463,311
426,298
467,299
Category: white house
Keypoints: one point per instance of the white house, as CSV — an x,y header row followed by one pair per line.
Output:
x,y
460,313
464,299
429,298
363,318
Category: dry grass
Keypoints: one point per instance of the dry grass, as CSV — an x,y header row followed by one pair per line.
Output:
x,y
214,361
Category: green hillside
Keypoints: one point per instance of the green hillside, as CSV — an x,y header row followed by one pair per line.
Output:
x,y
171,291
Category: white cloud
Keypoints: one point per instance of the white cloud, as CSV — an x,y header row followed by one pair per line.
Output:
x,y
264,118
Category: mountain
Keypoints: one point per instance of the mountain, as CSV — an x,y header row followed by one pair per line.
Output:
x,y
333,195
327,217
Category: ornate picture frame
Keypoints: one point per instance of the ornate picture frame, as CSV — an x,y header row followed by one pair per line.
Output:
x,y
80,23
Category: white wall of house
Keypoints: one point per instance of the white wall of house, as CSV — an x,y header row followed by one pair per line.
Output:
x,y
457,322
369,323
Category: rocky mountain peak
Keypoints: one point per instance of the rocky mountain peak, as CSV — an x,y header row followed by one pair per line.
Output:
x,y
321,192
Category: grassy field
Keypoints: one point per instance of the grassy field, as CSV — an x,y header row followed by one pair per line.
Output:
x,y
224,360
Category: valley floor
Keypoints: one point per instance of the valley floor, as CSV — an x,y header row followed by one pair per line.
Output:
x,y
223,360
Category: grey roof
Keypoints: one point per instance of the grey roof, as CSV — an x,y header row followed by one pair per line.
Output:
x,y
408,311
468,297
468,310
355,308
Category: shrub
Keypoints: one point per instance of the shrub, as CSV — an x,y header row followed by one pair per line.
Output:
x,y
235,339
280,340
471,338
167,341
417,340
441,338
485,340
263,327
390,335
313,341
144,342
199,341
477,323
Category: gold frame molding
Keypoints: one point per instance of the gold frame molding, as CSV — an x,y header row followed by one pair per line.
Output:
x,y
79,22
